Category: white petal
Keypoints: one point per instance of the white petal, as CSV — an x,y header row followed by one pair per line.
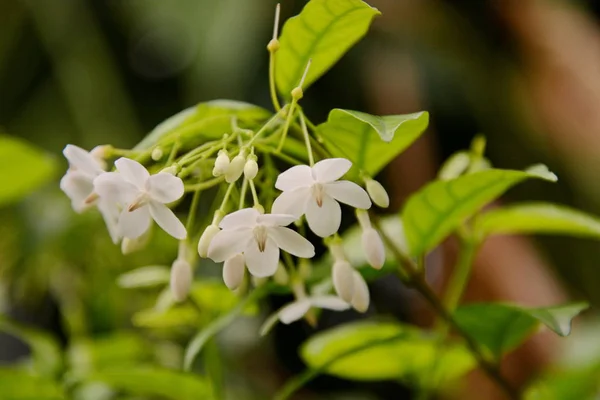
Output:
x,y
82,160
233,271
292,242
245,217
329,303
292,202
294,311
360,299
110,212
78,186
165,188
349,193
206,238
331,169
373,247
133,224
229,242
342,275
166,219
181,279
276,219
295,177
324,220
262,263
112,186
133,172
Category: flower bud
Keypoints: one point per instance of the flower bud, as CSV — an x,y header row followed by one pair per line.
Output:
x,y
297,93
343,280
373,247
250,169
378,193
360,298
157,154
221,163
206,238
181,279
129,246
235,168
273,45
233,271
173,169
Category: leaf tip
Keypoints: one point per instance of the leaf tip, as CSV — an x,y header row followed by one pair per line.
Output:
x,y
542,171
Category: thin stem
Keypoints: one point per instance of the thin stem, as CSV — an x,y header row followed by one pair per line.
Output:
x,y
204,185
226,197
311,158
461,274
192,216
272,87
288,121
254,195
243,193
283,156
267,125
174,150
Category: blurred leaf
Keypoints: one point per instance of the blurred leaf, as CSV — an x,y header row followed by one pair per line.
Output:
x,y
378,351
215,297
580,384
169,318
370,141
19,385
501,328
23,168
153,381
209,120
322,32
538,218
45,350
149,276
440,207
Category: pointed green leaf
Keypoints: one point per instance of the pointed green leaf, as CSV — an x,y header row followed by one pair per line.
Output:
x,y
543,218
435,211
322,32
500,328
370,141
16,384
377,351
23,169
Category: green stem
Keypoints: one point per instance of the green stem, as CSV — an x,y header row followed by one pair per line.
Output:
x,y
266,126
288,121
311,158
254,194
193,209
204,185
243,193
460,276
272,88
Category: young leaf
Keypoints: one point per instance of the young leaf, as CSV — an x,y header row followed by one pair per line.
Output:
x,y
23,168
21,385
152,381
538,218
377,351
370,141
439,208
501,328
323,32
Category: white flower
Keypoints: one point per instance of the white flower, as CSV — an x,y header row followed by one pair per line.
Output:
x,y
143,198
181,279
259,237
316,191
78,182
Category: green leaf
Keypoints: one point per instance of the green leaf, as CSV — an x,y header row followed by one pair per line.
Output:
x,y
164,319
143,277
577,384
435,211
205,121
501,328
152,381
23,169
16,384
322,32
370,141
45,350
379,351
538,218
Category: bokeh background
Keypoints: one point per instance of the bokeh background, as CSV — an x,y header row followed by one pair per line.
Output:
x,y
524,73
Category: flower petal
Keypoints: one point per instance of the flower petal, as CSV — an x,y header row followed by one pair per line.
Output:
x,y
110,212
349,193
245,217
228,243
133,172
294,311
166,219
81,160
331,169
133,224
324,220
296,177
164,187
78,186
292,202
233,271
262,263
292,242
276,219
112,186
329,303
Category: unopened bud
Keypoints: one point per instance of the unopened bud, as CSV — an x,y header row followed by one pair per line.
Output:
x,y
250,169
235,168
297,93
233,271
360,298
343,280
101,152
172,169
129,246
378,193
373,247
273,45
181,279
207,237
259,208
221,163
157,154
